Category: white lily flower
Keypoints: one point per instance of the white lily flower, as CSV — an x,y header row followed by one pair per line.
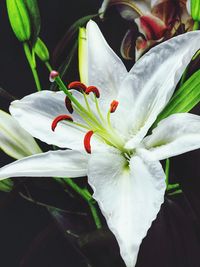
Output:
x,y
122,163
14,140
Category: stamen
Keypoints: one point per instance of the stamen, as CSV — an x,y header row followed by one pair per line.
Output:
x,y
113,106
53,74
58,119
68,104
77,86
87,141
94,90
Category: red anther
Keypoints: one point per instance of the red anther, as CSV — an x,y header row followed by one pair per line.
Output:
x,y
77,86
113,106
94,90
58,119
87,141
68,104
53,74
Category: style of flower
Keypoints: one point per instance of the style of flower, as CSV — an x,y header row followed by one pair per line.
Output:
x,y
106,126
157,20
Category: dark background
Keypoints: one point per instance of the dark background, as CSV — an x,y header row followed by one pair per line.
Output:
x,y
29,234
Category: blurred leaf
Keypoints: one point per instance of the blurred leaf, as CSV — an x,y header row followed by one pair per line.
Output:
x,y
6,185
69,35
184,99
41,50
64,67
19,19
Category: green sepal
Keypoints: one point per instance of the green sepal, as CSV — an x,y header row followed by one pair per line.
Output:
x,y
195,9
24,19
6,185
19,19
184,99
41,50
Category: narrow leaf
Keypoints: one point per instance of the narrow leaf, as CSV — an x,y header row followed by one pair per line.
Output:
x,y
185,98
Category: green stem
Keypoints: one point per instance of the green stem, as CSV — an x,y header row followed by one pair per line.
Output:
x,y
84,193
95,216
32,65
196,25
167,167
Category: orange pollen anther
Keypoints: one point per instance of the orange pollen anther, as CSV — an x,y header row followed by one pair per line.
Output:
x,y
53,74
77,86
94,90
68,104
113,106
87,141
58,119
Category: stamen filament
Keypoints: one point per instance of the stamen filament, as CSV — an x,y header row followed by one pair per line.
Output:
x,y
98,109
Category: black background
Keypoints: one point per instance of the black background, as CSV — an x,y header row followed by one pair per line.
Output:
x,y
28,234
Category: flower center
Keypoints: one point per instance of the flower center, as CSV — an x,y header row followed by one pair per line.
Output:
x,y
95,122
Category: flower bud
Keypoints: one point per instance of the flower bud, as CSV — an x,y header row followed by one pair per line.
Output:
x,y
24,19
41,50
19,19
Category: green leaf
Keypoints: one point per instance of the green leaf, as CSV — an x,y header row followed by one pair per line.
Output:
x,y
19,19
6,185
184,99
195,9
41,50
24,19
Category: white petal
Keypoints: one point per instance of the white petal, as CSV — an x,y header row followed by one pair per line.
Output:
x,y
66,163
129,198
14,140
36,112
177,134
105,69
153,80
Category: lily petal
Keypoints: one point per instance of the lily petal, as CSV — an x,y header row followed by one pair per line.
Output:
x,y
152,80
59,163
105,69
14,140
36,112
129,197
177,134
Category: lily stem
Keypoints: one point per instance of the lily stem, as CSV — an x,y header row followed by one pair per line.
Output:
x,y
32,65
167,167
85,194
